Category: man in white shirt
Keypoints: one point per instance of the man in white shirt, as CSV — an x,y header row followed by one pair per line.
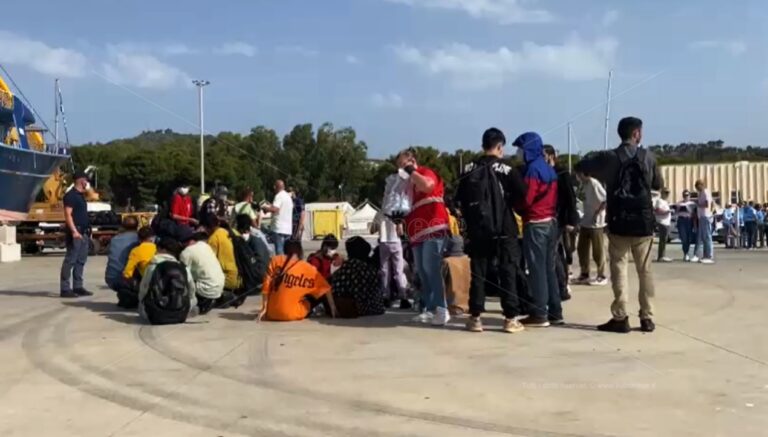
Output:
x,y
592,231
205,269
391,260
704,204
663,221
282,216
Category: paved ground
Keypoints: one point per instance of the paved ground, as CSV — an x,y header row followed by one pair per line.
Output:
x,y
86,369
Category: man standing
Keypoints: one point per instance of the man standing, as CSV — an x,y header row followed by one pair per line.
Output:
x,y
245,206
704,204
181,207
298,213
629,173
427,229
663,222
540,233
592,231
282,216
487,190
391,260
686,211
78,237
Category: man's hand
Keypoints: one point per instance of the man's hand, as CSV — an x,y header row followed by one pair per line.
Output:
x,y
194,221
77,235
569,228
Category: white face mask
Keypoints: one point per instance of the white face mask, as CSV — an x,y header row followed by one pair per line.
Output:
x,y
183,191
332,253
520,154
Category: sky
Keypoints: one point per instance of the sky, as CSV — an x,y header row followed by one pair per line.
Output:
x,y
400,72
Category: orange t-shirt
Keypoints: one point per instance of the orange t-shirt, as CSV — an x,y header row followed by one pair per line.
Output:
x,y
300,280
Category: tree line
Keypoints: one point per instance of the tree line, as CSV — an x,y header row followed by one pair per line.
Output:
x,y
324,164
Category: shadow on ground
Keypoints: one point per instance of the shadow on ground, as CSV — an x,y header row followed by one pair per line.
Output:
x,y
108,310
12,293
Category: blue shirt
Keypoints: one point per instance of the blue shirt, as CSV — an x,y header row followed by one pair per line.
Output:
x,y
76,200
760,216
750,215
119,248
728,216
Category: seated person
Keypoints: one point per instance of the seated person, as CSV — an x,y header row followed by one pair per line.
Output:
x,y
167,290
292,287
119,248
326,260
206,271
356,285
259,247
141,255
221,243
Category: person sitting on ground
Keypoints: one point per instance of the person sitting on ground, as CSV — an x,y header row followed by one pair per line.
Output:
x,y
221,243
119,248
327,260
167,290
141,255
206,271
356,285
216,205
293,287
259,247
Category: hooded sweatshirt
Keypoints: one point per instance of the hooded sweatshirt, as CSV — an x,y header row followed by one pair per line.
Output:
x,y
541,197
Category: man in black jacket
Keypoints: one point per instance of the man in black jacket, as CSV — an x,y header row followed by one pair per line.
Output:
x,y
567,219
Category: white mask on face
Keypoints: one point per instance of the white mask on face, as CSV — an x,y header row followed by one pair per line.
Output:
x,y
332,253
520,154
184,191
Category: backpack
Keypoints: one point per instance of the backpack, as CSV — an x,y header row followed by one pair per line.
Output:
x,y
250,266
630,208
482,203
167,301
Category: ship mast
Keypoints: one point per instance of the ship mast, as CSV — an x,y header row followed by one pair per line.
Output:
x,y
56,117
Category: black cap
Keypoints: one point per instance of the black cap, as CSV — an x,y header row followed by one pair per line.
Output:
x,y
80,175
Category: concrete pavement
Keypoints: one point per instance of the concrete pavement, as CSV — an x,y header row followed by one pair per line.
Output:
x,y
85,368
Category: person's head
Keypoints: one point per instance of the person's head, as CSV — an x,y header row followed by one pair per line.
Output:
x,y
130,223
406,157
686,195
358,248
279,185
329,245
494,142
631,130
243,223
246,195
80,179
293,192
221,193
146,234
581,176
751,203
700,185
183,189
169,246
550,154
529,147
196,237
664,193
210,221
293,248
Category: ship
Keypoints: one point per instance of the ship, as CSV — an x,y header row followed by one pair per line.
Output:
x,y
26,161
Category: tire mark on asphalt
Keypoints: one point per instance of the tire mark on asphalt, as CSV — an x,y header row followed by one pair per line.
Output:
x,y
15,328
148,336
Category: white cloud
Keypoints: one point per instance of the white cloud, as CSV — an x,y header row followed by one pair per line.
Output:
x,y
236,48
352,59
390,100
610,17
734,47
142,71
54,61
174,49
500,11
575,60
297,51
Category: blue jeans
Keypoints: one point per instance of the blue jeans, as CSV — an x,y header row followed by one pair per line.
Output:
x,y
280,240
428,257
74,264
540,242
687,235
705,237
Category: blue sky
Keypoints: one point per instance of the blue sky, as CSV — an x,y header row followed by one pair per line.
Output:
x,y
431,72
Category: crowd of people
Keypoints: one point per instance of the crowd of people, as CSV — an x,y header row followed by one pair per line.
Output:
x,y
517,239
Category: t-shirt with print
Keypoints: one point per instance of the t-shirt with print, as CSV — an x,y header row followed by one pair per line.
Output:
x,y
428,217
283,220
705,198
594,195
298,280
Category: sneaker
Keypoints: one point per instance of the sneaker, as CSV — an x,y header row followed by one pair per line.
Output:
x,y
665,260
556,322
694,259
474,324
581,280
535,322
442,317
405,304
707,261
617,326
566,295
513,326
687,258
647,325
599,281
424,317
68,295
82,292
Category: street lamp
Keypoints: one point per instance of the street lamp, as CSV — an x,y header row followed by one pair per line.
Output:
x,y
200,84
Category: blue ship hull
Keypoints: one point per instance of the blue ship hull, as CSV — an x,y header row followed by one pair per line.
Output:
x,y
22,174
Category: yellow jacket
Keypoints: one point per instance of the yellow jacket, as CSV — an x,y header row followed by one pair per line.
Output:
x,y
225,252
139,258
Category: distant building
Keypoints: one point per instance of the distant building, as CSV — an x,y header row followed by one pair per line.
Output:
x,y
733,181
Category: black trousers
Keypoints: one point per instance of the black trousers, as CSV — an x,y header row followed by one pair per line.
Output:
x,y
561,264
506,259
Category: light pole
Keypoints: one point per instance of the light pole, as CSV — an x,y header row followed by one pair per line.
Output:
x,y
200,84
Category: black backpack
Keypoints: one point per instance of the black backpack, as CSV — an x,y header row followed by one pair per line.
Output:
x,y
250,266
630,208
482,203
167,301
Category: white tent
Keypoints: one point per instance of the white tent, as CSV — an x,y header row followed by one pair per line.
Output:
x,y
360,220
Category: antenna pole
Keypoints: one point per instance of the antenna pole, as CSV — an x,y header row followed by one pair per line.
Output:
x,y
608,110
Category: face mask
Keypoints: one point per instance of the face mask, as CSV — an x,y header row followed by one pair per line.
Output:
x,y
520,154
331,252
183,191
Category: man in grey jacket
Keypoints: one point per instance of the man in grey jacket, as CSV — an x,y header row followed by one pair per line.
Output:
x,y
629,173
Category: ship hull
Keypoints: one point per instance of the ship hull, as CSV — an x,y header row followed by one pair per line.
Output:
x,y
22,174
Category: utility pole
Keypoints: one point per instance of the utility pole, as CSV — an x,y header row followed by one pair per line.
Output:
x,y
608,110
56,111
200,84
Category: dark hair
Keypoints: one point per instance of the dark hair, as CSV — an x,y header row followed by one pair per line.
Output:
x,y
145,233
492,137
358,248
549,150
245,192
407,153
293,247
330,241
199,236
170,245
628,126
130,223
243,223
209,220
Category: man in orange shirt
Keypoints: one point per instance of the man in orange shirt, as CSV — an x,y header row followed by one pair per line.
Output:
x,y
293,287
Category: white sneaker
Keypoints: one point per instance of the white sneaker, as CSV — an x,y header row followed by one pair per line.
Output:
x,y
441,317
694,259
666,260
599,281
424,317
687,258
707,261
